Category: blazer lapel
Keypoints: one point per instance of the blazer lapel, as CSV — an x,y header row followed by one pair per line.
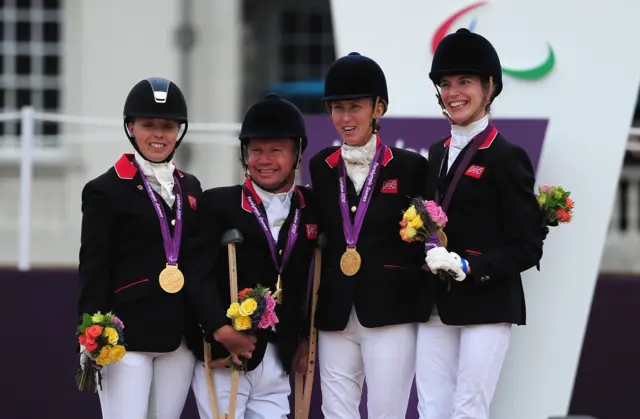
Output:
x,y
252,219
296,202
384,170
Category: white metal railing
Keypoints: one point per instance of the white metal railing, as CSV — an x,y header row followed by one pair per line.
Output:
x,y
620,251
28,118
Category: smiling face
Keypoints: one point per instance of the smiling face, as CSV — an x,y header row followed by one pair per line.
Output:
x,y
271,162
352,119
156,138
465,98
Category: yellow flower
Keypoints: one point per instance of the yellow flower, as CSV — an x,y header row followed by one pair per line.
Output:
x,y
97,318
410,214
116,353
542,199
233,311
557,194
416,223
410,232
242,323
104,358
248,306
111,334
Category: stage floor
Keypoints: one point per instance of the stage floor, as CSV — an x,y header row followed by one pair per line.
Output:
x,y
38,358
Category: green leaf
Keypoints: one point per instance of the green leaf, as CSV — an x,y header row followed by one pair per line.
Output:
x,y
86,322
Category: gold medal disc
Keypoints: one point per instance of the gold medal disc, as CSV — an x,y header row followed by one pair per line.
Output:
x,y
350,262
171,279
442,237
278,294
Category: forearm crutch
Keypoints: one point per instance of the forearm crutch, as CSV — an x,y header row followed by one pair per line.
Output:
x,y
230,239
303,393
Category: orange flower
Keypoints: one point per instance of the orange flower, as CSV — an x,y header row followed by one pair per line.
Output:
x,y
88,343
243,293
403,234
569,203
94,331
403,223
563,216
91,345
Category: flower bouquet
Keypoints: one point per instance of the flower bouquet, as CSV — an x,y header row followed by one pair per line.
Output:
x,y
101,343
425,221
254,310
555,204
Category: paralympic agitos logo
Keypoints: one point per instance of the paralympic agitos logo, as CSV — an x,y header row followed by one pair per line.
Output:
x,y
534,73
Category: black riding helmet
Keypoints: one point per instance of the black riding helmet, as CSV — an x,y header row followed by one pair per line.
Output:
x,y
273,118
155,97
465,52
355,76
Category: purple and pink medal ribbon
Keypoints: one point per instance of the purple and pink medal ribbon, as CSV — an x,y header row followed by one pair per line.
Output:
x,y
292,236
352,230
171,242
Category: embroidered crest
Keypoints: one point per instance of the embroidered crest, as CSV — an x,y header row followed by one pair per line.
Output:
x,y
312,231
192,202
475,171
390,186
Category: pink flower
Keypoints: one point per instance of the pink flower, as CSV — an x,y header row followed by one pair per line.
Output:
x,y
274,318
271,303
435,212
265,321
268,320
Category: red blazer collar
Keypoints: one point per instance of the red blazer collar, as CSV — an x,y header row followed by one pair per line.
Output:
x,y
245,202
125,169
334,158
487,143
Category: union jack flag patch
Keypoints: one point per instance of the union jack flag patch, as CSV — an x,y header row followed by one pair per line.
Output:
x,y
475,171
312,231
390,186
192,202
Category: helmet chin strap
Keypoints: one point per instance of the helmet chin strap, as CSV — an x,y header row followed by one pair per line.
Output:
x,y
288,179
444,109
167,159
374,120
276,188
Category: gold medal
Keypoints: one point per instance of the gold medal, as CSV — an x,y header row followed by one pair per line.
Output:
x,y
442,237
171,279
350,262
278,294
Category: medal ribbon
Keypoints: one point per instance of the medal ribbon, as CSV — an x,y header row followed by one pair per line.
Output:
x,y
171,243
478,140
261,215
352,231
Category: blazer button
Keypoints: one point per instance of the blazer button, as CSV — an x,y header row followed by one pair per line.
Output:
x,y
353,208
280,252
173,222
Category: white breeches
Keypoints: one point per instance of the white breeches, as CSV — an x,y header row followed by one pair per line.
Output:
x,y
145,385
458,367
384,355
262,393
